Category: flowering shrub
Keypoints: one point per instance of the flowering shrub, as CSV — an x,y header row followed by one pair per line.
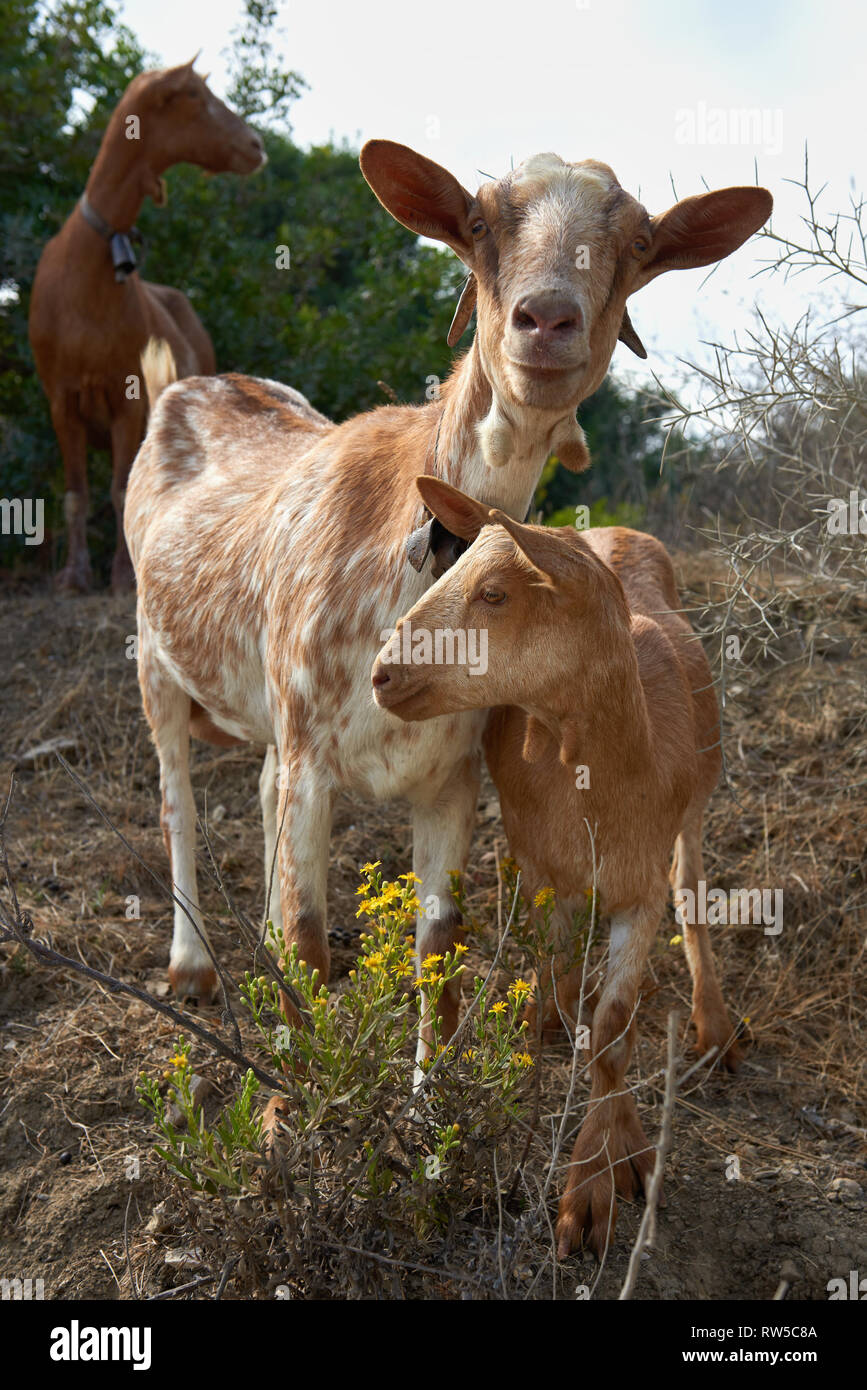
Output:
x,y
356,1145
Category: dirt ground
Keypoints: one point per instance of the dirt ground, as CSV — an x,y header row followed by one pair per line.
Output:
x,y
79,1184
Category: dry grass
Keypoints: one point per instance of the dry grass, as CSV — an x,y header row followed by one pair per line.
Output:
x,y
796,741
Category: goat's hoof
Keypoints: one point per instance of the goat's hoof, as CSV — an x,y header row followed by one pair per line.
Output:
x,y
74,578
195,985
604,1161
721,1035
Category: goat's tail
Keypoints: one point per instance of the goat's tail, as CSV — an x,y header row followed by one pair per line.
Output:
x,y
159,368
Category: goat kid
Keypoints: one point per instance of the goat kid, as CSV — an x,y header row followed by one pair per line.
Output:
x,y
270,546
593,670
87,329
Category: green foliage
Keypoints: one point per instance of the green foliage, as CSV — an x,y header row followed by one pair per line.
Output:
x,y
351,1141
63,70
258,86
361,303
359,316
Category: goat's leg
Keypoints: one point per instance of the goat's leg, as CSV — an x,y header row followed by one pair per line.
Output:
x,y
709,1013
297,803
167,707
442,829
72,436
612,1154
126,436
302,828
557,981
268,798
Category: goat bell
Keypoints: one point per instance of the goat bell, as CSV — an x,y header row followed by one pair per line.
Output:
x,y
122,256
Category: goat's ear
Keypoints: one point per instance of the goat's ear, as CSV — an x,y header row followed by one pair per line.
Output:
x,y
175,79
460,514
419,194
704,229
542,545
464,311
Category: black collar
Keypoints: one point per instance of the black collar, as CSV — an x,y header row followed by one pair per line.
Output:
x,y
120,243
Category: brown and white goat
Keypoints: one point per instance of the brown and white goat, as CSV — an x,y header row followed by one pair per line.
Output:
x,y
593,670
270,546
87,329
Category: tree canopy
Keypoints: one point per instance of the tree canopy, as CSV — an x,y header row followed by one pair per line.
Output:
x,y
297,272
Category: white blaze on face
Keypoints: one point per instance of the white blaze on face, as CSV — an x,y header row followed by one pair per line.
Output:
x,y
564,237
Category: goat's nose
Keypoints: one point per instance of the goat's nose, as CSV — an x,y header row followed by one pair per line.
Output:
x,y
380,678
548,314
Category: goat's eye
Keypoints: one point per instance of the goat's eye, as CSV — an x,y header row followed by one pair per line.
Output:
x,y
479,228
493,596
639,246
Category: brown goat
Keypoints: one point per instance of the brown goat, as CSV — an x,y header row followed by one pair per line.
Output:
x,y
270,546
87,328
594,670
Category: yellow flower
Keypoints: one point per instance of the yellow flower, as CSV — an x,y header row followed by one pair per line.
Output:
x,y
369,868
543,897
519,989
370,906
468,1055
522,1059
499,1007
410,878
430,961
461,949
179,1060
675,941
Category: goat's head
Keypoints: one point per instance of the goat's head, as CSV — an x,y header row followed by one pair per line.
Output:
x,y
554,250
491,630
181,121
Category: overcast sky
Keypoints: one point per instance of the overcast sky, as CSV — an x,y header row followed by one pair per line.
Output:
x,y
648,86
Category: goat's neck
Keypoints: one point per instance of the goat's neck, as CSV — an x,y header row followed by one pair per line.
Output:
x,y
492,450
598,713
123,174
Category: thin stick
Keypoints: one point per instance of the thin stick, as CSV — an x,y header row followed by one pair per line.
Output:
x,y
647,1229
